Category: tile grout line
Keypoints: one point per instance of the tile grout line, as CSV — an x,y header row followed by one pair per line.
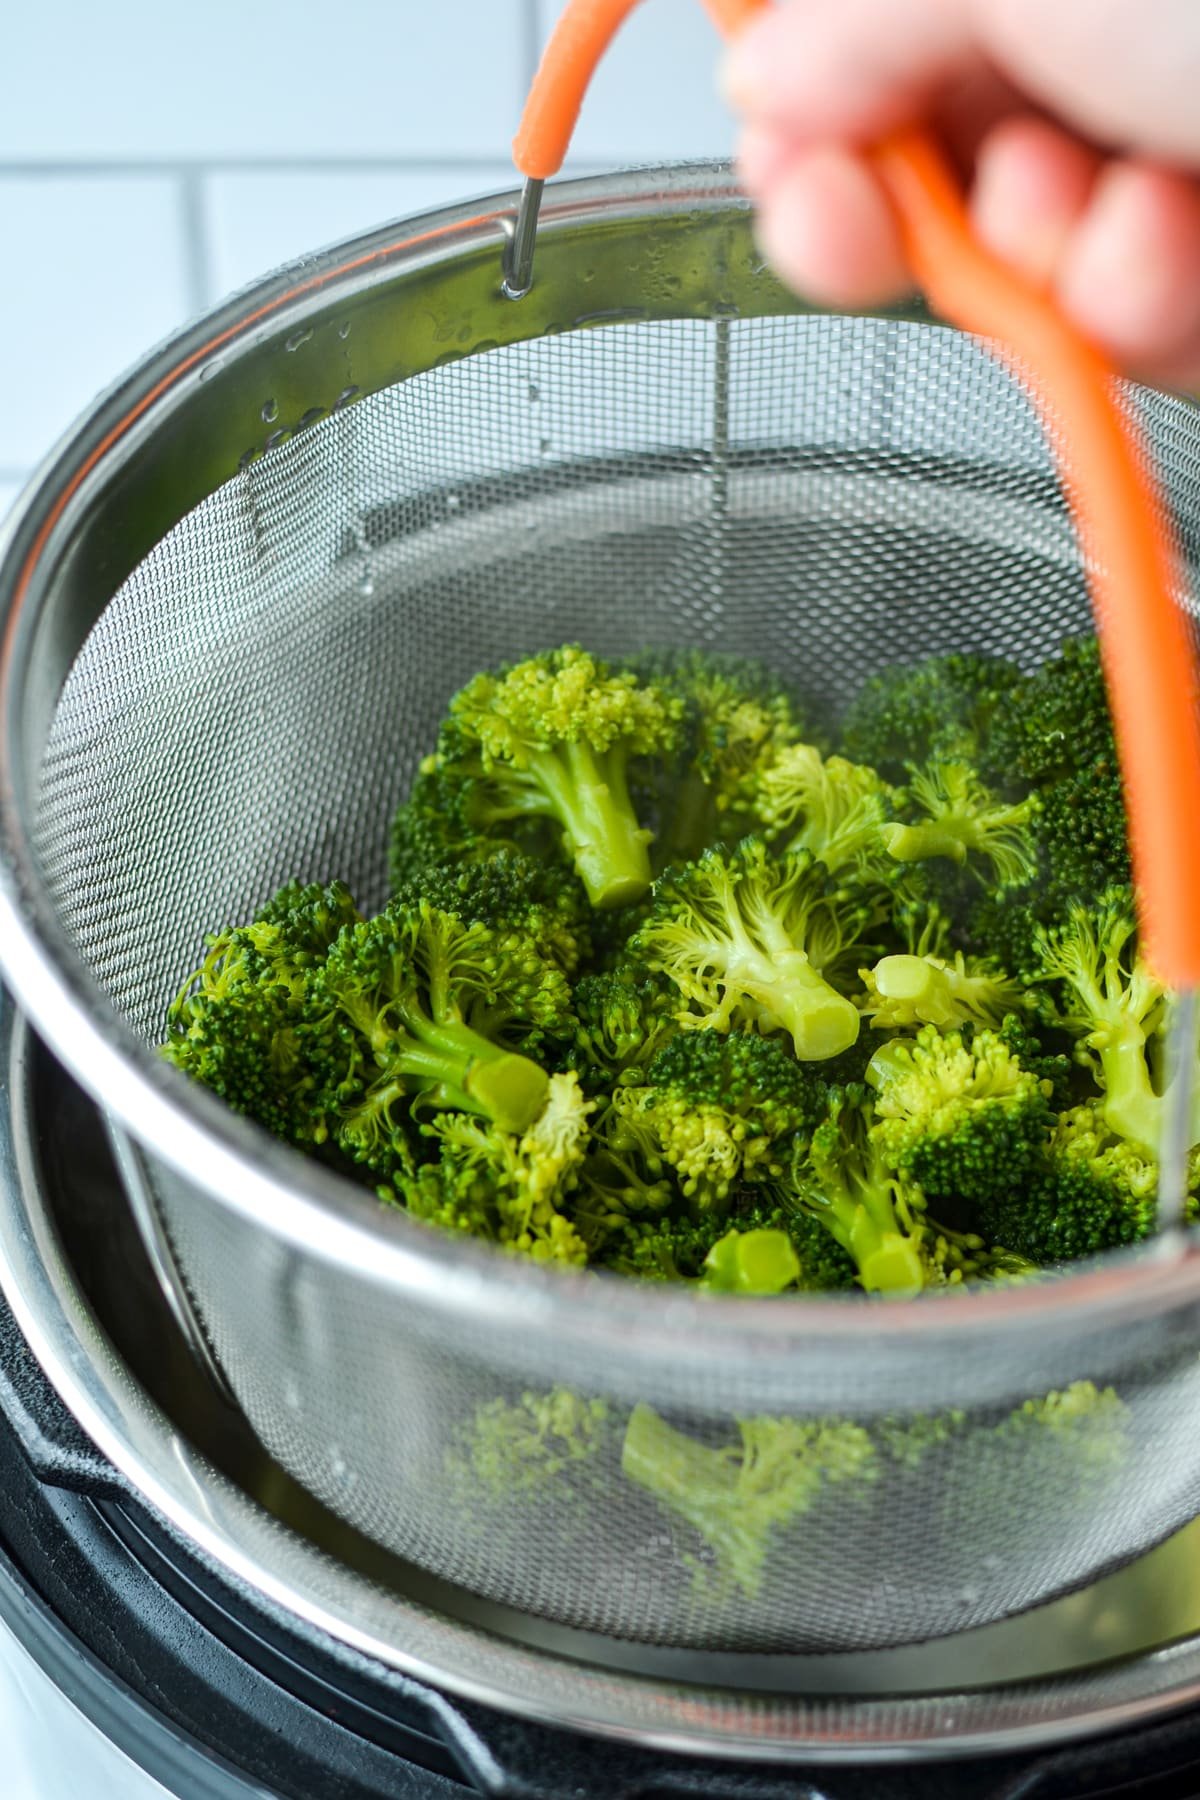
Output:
x,y
197,262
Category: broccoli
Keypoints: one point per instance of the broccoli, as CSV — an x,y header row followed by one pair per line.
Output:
x,y
717,1110
623,1016
552,738
244,1025
736,719
957,1113
941,709
519,1447
753,941
1116,1009
752,1262
963,818
1087,1192
877,1216
903,992
1053,735
833,808
512,1190
739,1495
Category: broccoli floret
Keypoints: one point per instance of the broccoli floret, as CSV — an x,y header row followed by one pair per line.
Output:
x,y
738,1496
833,808
512,1190
244,1024
876,1215
903,992
1087,1192
434,1003
750,940
1054,734
523,1446
513,893
942,708
736,720
959,818
717,1110
623,1016
962,1119
552,738
1116,1009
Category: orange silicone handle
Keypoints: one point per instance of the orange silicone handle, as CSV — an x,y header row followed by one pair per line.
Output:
x,y
1130,562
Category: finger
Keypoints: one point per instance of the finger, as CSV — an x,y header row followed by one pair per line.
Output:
x,y
871,65
1122,71
1130,275
763,153
826,227
1033,183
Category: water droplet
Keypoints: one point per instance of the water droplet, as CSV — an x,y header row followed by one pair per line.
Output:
x,y
344,329
246,458
270,411
310,417
366,586
277,437
453,502
344,398
298,337
543,445
535,392
992,1565
969,1596
209,370
337,1465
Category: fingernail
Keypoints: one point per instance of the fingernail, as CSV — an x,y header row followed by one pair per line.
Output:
x,y
740,72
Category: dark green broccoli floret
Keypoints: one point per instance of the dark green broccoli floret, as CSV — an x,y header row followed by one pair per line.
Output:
x,y
244,1024
1088,1191
753,941
735,720
941,709
623,1016
539,900
552,738
1054,735
961,1118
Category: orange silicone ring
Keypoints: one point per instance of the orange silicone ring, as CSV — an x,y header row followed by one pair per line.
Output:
x,y
1130,561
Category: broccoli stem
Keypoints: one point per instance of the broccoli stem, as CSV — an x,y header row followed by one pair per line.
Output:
x,y
456,1067
700,1484
590,797
888,1262
822,1022
933,837
915,982
1131,1106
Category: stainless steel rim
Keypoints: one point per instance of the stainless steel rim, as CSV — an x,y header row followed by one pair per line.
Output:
x,y
245,1542
287,1197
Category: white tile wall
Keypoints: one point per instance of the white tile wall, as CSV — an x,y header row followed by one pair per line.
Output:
x,y
153,157
256,222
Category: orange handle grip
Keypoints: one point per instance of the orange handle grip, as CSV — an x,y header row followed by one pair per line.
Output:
x,y
1130,563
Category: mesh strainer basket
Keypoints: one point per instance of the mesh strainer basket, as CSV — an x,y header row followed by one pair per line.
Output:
x,y
235,604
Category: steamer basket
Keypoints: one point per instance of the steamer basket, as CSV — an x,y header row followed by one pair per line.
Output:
x,y
235,604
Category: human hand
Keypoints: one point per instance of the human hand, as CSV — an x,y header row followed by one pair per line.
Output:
x,y
1076,124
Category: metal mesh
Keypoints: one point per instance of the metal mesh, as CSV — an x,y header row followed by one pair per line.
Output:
x,y
830,494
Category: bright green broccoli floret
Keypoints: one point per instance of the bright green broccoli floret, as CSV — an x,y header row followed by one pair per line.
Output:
x,y
960,1118
959,819
1108,999
523,1446
717,1110
512,1190
833,808
903,992
751,940
875,1214
434,1002
244,1024
552,738
941,709
739,1496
